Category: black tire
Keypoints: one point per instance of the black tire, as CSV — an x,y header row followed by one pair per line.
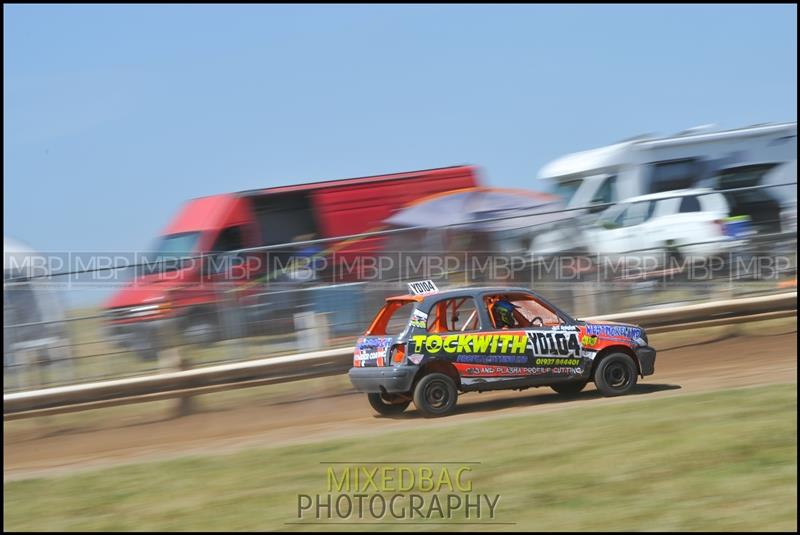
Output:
x,y
385,407
435,395
615,375
672,254
570,388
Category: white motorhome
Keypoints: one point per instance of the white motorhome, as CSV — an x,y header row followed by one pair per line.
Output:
x,y
34,328
698,157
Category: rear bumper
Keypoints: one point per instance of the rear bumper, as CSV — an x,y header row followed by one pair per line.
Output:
x,y
383,379
646,356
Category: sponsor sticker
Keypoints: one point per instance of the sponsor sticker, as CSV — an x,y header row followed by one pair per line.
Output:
x,y
614,331
419,319
466,344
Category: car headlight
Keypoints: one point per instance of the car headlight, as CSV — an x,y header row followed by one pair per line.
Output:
x,y
144,308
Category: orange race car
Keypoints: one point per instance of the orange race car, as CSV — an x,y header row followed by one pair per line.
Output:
x,y
428,346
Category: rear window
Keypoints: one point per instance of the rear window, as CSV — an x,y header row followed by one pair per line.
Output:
x,y
392,319
690,204
454,315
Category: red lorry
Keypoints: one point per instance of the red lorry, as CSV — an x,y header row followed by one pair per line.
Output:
x,y
189,293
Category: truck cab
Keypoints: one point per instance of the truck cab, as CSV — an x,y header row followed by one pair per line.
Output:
x,y
230,265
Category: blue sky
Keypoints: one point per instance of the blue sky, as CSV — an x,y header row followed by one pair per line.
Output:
x,y
114,115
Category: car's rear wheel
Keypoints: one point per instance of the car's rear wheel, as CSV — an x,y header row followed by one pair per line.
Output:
x,y
569,388
435,395
615,375
388,405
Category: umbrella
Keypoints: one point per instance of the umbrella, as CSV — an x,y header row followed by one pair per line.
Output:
x,y
467,208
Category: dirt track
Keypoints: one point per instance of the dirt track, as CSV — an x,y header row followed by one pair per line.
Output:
x,y
307,417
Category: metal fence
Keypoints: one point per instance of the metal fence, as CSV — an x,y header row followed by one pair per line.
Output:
x,y
278,316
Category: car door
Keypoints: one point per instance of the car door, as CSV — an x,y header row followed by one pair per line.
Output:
x,y
632,236
620,235
523,354
554,349
456,333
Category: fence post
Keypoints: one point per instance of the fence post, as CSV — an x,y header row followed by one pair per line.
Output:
x,y
311,331
172,357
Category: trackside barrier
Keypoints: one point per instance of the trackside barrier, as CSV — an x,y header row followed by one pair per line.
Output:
x,y
336,361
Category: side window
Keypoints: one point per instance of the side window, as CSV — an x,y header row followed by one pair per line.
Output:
x,y
637,213
612,216
675,174
651,207
524,311
454,315
230,239
742,176
604,194
689,204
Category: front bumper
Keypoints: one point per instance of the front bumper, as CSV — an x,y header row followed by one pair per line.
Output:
x,y
383,379
646,356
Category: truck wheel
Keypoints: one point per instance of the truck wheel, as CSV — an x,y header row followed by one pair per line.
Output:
x,y
615,375
385,407
435,395
569,388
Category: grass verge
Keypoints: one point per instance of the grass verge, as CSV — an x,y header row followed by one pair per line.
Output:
x,y
724,460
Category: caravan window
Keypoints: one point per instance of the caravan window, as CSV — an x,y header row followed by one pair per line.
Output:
x,y
675,174
742,176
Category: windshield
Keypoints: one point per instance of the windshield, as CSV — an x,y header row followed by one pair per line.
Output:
x,y
182,244
608,218
168,252
566,190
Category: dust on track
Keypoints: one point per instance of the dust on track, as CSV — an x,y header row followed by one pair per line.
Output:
x,y
339,412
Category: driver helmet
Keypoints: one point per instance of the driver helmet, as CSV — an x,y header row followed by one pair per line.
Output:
x,y
503,312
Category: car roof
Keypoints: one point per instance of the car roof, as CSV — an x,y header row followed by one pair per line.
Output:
x,y
472,291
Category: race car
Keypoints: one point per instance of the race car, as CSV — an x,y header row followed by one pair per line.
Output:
x,y
429,345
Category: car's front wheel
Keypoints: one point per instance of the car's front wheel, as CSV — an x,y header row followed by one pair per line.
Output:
x,y
615,375
435,395
387,406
